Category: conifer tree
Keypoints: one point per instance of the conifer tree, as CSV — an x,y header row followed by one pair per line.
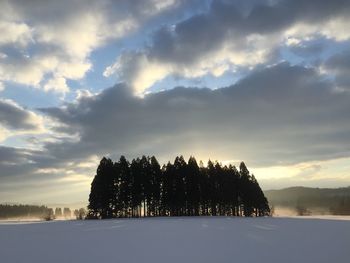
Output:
x,y
143,188
58,212
193,186
101,195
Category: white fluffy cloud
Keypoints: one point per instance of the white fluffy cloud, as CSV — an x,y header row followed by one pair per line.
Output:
x,y
334,28
44,38
15,33
57,42
141,71
225,37
57,83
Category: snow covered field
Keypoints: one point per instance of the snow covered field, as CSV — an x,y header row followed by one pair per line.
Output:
x,y
203,239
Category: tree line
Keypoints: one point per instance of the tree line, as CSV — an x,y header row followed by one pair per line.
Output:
x,y
27,211
307,200
66,212
142,188
11,211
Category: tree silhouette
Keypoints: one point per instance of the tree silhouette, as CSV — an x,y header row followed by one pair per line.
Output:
x,y
58,212
143,188
66,212
30,211
193,187
102,191
80,213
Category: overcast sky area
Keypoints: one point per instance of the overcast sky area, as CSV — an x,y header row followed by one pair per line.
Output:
x,y
261,81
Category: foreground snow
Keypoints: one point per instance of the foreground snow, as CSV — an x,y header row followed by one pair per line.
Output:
x,y
204,239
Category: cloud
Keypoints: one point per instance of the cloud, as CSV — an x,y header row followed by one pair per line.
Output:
x,y
277,115
228,36
136,69
15,117
15,158
58,38
26,177
15,120
57,84
15,33
338,65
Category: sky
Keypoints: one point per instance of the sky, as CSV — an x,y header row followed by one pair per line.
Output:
x,y
266,82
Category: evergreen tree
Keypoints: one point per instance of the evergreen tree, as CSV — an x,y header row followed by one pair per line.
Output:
x,y
245,194
125,187
155,195
193,186
15,211
179,191
101,195
66,212
167,190
136,191
143,188
58,212
146,184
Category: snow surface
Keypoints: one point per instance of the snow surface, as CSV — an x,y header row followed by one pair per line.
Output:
x,y
184,239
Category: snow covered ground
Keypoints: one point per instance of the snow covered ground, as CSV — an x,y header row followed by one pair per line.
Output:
x,y
203,239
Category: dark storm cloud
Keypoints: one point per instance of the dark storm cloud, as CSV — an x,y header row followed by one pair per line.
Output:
x,y
339,62
278,115
339,65
16,161
15,117
17,164
56,11
12,155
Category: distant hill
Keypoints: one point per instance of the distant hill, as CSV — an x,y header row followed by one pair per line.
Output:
x,y
312,200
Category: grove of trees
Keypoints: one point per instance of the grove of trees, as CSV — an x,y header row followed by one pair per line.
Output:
x,y
67,213
80,214
22,211
142,188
